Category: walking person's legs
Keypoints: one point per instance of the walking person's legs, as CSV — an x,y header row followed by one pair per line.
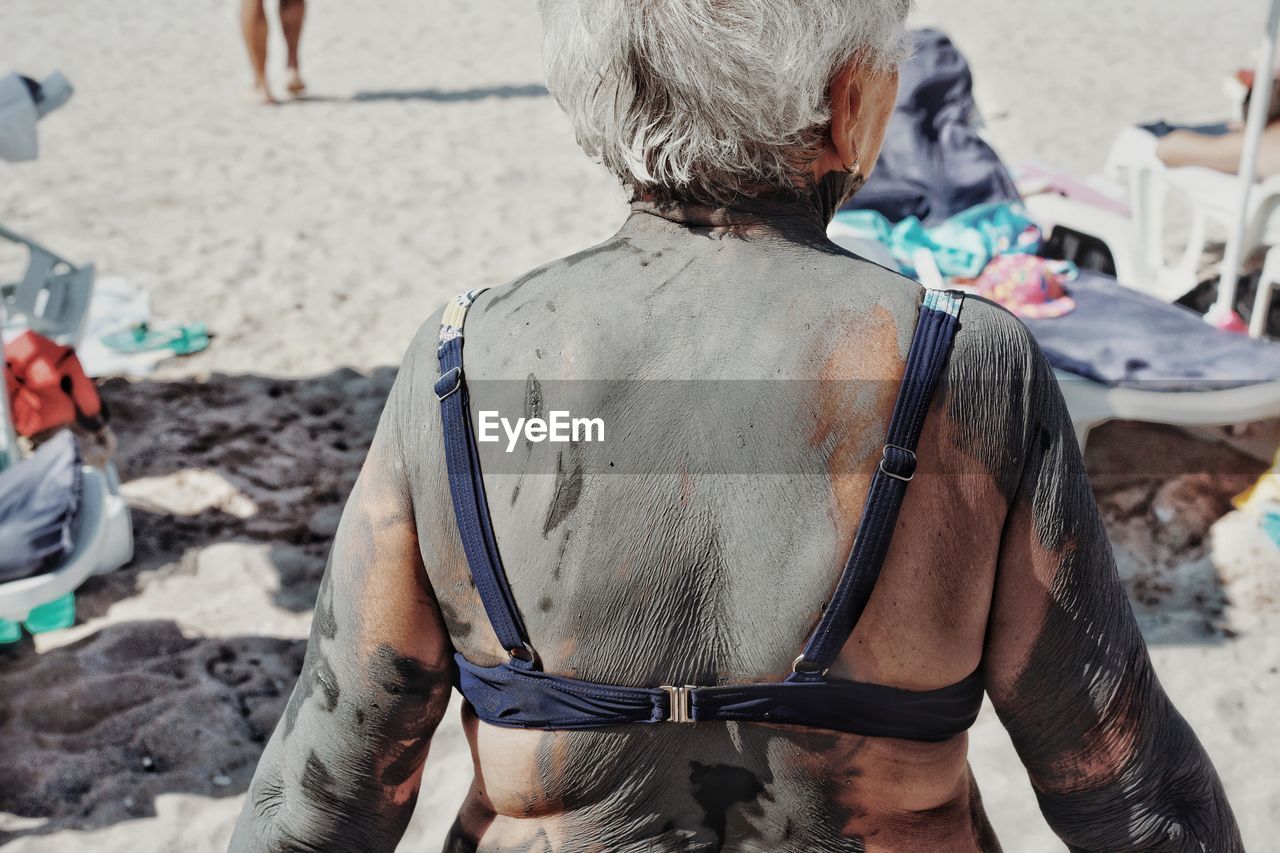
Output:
x,y
253,24
291,15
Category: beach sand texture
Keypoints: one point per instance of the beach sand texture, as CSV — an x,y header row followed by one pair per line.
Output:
x,y
313,238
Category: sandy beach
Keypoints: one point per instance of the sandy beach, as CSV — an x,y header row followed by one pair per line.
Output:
x,y
313,238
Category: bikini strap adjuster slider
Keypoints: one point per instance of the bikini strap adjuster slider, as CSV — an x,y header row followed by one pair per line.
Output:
x,y
679,703
449,382
898,462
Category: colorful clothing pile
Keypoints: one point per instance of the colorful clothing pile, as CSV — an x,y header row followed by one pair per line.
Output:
x,y
989,249
961,247
1029,286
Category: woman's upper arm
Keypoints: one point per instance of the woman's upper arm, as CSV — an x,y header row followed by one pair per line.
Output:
x,y
1114,765
344,765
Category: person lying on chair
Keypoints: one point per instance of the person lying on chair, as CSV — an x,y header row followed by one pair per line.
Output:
x,y
1222,147
667,643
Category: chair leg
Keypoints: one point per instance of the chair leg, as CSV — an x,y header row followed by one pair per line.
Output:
x,y
1197,243
1267,283
1154,199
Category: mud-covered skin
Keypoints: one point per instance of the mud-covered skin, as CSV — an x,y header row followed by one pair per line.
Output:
x,y
671,577
1114,766
342,770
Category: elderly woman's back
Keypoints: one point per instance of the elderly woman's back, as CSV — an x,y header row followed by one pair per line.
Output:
x,y
660,641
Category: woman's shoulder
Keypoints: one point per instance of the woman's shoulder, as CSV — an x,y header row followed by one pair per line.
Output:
x,y
998,387
990,339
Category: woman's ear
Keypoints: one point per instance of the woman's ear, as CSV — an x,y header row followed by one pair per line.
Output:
x,y
846,110
862,102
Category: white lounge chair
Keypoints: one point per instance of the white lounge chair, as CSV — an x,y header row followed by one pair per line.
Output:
x,y
1138,241
1120,354
1244,206
102,533
1092,404
1124,355
53,299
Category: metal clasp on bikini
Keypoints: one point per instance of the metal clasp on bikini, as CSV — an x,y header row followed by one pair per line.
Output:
x,y
884,457
680,703
800,666
446,386
525,652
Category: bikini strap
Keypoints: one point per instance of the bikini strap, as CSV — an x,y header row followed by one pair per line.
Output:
x,y
935,330
466,486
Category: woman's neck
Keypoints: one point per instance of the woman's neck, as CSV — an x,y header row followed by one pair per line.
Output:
x,y
800,217
745,221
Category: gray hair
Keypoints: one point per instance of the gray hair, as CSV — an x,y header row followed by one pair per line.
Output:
x,y
710,100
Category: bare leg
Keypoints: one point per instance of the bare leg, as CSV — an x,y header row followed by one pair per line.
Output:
x,y
1184,148
253,24
291,15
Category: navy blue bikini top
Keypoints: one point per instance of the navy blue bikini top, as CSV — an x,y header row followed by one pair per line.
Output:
x,y
519,694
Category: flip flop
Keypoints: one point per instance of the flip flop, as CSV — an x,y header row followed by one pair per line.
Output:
x,y
183,340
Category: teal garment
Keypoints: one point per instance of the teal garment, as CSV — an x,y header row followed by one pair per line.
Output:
x,y
55,615
1271,526
52,616
961,247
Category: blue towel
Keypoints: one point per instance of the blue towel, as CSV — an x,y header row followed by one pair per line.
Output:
x,y
1124,338
39,499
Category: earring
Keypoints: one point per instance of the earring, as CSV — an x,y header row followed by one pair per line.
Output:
x,y
856,168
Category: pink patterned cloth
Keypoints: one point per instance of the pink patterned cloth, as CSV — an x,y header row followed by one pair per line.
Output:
x,y
1027,285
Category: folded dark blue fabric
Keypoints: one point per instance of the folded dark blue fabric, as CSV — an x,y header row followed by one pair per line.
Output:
x,y
1124,338
1161,129
934,164
39,499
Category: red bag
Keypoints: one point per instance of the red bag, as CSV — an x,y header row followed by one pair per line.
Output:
x,y
47,387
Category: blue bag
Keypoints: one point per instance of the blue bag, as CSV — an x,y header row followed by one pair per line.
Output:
x,y
934,162
39,499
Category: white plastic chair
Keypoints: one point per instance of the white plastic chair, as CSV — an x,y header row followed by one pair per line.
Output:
x,y
1137,242
102,531
52,297
1091,404
111,532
